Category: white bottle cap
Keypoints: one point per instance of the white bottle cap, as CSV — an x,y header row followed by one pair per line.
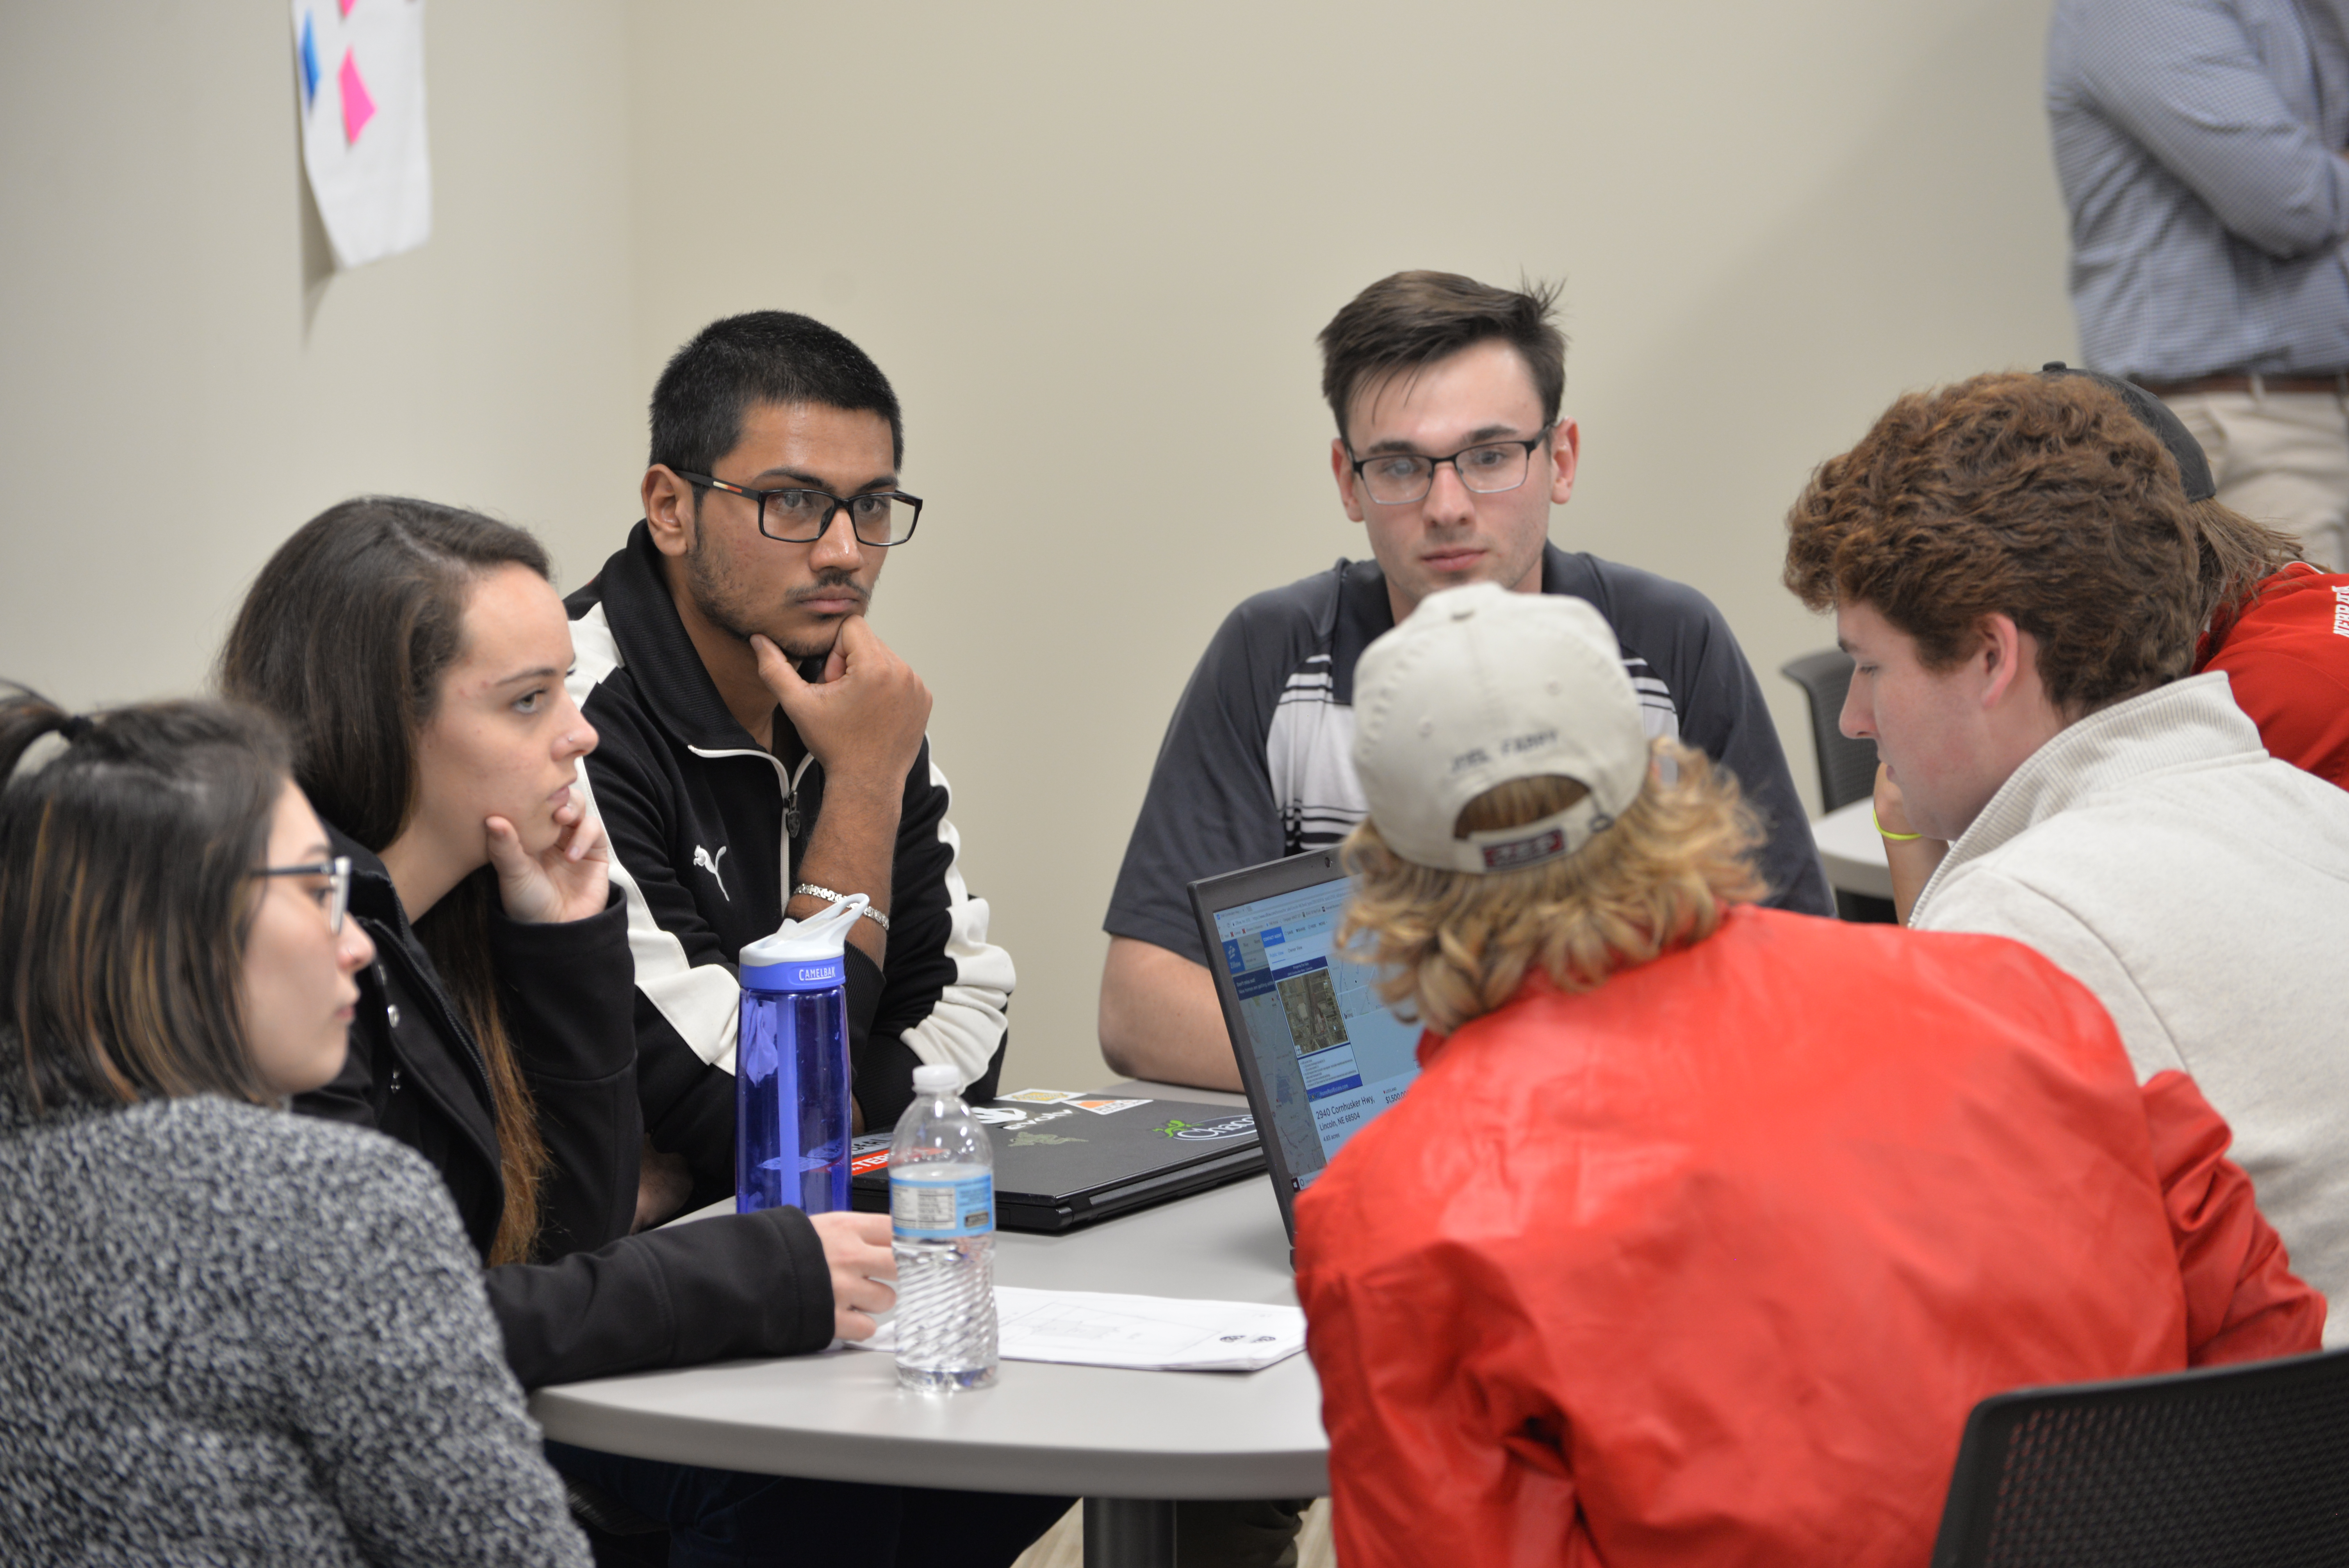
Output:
x,y
937,1078
821,935
805,955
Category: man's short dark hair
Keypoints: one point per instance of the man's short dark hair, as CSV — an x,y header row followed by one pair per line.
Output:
x,y
2040,498
766,357
1405,323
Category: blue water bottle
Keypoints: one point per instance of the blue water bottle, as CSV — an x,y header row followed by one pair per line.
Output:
x,y
791,1065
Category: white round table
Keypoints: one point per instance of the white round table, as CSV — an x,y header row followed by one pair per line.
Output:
x,y
1126,1441
1852,850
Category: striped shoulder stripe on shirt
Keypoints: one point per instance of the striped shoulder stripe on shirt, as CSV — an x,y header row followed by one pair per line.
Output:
x,y
1309,751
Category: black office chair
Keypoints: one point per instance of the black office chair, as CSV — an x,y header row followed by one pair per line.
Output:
x,y
2223,1466
1846,767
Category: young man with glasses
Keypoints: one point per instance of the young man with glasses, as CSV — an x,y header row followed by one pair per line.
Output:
x,y
1450,451
762,755
762,749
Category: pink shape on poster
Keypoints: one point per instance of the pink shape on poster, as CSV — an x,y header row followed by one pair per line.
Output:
x,y
346,5
357,107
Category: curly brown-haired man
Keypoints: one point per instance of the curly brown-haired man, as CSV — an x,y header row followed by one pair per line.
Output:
x,y
2013,570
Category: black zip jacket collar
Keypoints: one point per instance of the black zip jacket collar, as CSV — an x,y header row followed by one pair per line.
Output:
x,y
673,683
376,903
670,675
400,995
710,828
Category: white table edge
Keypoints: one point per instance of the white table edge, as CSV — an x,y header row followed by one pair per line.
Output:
x,y
618,1415
575,1414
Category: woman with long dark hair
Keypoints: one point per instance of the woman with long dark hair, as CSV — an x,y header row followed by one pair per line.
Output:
x,y
228,1334
415,653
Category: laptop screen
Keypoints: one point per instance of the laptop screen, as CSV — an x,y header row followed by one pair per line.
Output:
x,y
1323,1055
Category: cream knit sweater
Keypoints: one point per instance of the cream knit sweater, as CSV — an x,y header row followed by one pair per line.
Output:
x,y
2201,889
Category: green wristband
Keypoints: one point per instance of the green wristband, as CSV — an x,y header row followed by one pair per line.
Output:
x,y
1896,838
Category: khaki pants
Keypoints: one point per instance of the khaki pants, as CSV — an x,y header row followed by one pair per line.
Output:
x,y
2280,458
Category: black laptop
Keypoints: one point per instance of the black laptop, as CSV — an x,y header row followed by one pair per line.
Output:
x,y
1063,1159
1318,1053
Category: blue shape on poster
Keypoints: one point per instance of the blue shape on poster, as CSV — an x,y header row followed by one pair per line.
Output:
x,y
309,62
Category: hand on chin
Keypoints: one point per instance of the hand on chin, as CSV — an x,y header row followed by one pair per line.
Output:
x,y
813,650
569,879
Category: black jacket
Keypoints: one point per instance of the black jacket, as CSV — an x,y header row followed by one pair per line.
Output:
x,y
706,829
604,1301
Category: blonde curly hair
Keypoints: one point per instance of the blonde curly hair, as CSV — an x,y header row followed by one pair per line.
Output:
x,y
1456,945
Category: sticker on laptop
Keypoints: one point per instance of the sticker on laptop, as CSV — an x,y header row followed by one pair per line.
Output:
x,y
996,1115
1040,1095
1207,1132
1029,1139
1107,1107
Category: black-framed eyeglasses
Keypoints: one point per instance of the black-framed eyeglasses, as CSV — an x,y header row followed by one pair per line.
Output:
x,y
799,515
1487,468
337,872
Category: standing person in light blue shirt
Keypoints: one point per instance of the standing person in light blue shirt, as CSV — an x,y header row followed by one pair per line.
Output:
x,y
2199,144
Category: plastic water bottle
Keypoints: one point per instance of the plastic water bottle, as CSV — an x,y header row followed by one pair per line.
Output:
x,y
790,1067
942,1211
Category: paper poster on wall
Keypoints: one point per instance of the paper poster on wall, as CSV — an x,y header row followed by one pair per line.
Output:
x,y
358,71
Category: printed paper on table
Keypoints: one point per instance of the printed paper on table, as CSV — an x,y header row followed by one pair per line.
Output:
x,y
1142,1333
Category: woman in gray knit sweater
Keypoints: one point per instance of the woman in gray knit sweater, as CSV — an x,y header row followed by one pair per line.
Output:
x,y
227,1333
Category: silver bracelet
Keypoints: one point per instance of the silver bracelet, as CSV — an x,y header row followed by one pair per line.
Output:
x,y
810,890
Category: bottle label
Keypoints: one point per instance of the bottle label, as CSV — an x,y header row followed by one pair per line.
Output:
x,y
923,1210
796,974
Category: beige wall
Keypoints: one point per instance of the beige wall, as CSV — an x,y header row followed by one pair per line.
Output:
x,y
1090,244
184,379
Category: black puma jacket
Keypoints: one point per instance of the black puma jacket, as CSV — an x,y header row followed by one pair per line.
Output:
x,y
707,827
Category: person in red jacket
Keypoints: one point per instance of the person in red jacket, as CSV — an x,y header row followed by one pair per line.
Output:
x,y
1705,1224
2284,644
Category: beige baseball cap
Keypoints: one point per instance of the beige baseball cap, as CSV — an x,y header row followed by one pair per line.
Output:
x,y
1480,686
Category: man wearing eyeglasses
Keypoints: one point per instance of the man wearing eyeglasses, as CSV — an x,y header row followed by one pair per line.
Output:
x,y
763,752
1450,451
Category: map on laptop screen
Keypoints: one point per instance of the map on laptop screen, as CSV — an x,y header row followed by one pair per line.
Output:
x,y
1329,1055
